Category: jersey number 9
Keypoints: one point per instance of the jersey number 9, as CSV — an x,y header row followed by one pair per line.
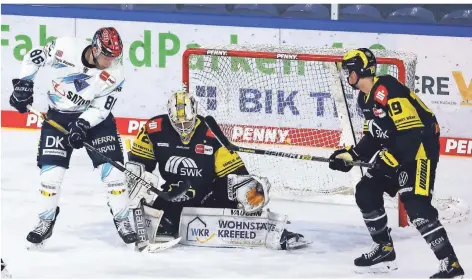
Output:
x,y
395,108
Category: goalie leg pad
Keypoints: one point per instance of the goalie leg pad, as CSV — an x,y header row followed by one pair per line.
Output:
x,y
153,219
274,234
233,228
50,190
117,193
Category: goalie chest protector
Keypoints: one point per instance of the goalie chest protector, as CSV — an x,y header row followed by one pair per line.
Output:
x,y
177,161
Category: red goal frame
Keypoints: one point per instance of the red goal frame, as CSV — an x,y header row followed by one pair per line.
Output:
x,y
403,220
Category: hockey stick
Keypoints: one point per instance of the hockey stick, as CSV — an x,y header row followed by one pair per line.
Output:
x,y
215,128
164,195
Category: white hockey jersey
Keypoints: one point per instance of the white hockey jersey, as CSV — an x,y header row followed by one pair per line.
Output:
x,y
76,86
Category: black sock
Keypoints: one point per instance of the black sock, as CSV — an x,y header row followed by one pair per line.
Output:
x,y
376,222
435,235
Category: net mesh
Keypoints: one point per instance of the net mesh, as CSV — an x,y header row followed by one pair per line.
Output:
x,y
294,104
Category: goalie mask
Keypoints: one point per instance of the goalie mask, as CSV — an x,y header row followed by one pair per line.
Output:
x,y
182,111
360,61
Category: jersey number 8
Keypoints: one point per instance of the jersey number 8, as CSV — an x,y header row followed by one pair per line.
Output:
x,y
110,103
36,57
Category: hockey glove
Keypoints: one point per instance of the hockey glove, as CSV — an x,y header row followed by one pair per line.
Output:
x,y
340,159
251,192
22,95
177,187
78,133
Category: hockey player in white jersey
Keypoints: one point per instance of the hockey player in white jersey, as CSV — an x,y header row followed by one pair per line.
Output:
x,y
87,79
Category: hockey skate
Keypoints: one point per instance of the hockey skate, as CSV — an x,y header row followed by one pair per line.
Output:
x,y
379,260
41,232
125,230
291,240
449,268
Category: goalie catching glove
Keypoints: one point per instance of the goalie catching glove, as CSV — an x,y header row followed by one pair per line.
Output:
x,y
252,192
136,189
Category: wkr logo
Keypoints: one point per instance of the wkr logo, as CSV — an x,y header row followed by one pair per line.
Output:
x,y
197,231
183,166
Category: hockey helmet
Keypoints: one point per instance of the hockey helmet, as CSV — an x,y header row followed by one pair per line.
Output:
x,y
361,61
109,47
182,111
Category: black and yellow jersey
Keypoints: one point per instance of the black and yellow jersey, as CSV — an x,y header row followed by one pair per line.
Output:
x,y
397,120
203,161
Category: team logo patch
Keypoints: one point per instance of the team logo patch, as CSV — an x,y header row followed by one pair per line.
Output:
x,y
203,149
154,125
402,178
59,53
107,78
111,81
379,112
381,95
104,76
80,84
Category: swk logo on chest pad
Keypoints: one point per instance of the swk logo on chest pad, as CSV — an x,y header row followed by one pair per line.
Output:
x,y
183,166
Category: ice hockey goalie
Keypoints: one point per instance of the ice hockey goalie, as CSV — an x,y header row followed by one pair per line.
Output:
x,y
223,207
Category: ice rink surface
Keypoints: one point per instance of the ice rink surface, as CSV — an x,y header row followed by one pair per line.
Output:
x,y
85,243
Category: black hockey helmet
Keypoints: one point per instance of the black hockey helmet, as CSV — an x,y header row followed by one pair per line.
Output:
x,y
361,61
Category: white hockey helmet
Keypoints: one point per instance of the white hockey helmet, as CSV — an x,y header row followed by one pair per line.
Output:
x,y
182,111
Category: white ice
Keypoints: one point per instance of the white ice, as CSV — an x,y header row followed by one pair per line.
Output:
x,y
85,243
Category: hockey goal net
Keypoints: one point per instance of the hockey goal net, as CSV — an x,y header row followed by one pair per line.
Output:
x,y
288,99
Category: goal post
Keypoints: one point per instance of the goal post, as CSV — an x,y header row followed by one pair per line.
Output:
x,y
288,99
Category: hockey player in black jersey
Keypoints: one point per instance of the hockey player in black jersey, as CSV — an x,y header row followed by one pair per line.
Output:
x,y
185,149
403,135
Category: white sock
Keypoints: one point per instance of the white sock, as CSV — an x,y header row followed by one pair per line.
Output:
x,y
117,190
50,190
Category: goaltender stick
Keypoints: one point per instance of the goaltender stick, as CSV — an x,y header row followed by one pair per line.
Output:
x,y
187,151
